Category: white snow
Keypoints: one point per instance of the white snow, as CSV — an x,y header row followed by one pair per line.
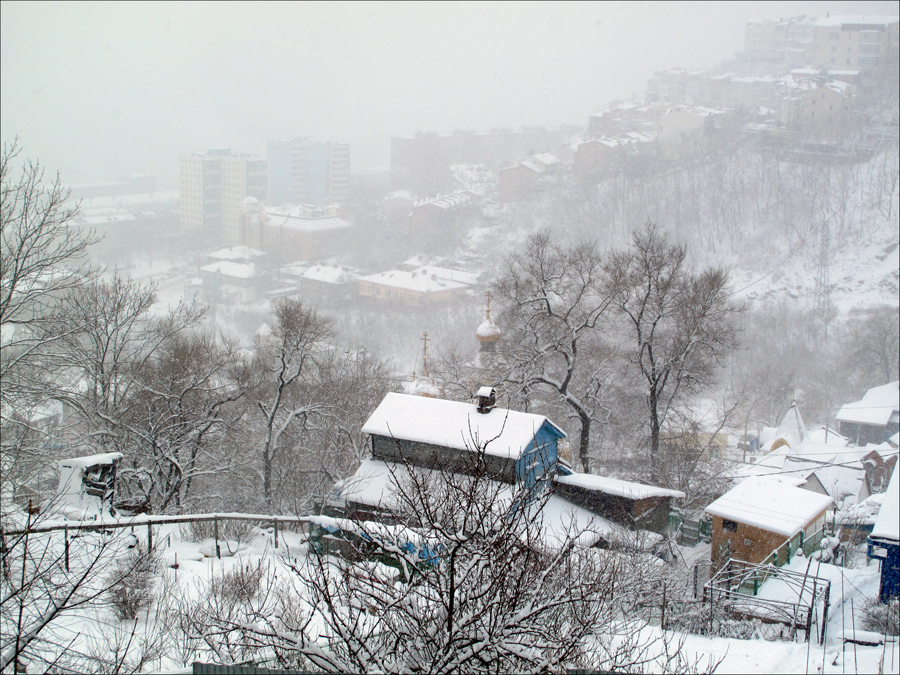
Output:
x,y
887,525
620,488
413,281
244,253
770,505
231,269
504,433
875,408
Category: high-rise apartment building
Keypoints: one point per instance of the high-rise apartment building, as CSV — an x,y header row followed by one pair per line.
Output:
x,y
864,42
305,171
786,41
214,184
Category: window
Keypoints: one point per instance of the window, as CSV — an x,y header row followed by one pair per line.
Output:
x,y
834,36
729,525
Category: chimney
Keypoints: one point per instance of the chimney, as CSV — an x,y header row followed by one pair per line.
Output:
x,y
487,398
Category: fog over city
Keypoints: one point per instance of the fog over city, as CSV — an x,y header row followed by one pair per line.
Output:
x,y
99,90
444,337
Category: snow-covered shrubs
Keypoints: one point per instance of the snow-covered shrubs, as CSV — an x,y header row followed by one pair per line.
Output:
x,y
131,583
882,617
241,531
700,619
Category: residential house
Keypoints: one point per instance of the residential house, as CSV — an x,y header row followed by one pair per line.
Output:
x,y
874,418
296,232
514,449
884,542
328,285
422,286
765,520
231,282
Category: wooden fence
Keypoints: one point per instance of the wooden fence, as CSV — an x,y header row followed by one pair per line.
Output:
x,y
149,522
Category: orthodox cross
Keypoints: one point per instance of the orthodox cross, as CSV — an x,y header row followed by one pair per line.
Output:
x,y
425,354
487,294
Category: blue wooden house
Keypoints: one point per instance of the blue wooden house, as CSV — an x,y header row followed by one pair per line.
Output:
x,y
884,542
513,447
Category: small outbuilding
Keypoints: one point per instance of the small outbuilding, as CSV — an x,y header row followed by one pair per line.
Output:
x,y
87,485
632,505
763,520
884,542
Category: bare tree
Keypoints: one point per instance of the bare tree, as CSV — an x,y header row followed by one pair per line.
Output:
x,y
46,576
679,324
184,404
42,255
469,580
555,305
282,360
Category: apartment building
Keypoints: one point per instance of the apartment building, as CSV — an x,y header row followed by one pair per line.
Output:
x,y
422,163
786,41
310,172
864,42
213,186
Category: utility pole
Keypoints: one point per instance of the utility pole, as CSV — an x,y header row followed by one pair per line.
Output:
x,y
822,295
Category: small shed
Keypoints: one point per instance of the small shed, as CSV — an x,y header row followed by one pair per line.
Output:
x,y
884,542
764,520
87,485
631,505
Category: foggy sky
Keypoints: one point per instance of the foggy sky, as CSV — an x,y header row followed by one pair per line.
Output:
x,y
98,90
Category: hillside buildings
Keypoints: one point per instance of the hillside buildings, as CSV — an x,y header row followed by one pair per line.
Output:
x,y
422,163
213,187
309,172
294,232
864,42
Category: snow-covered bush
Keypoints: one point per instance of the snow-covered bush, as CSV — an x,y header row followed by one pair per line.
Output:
x,y
131,583
241,531
240,583
700,619
882,617
481,576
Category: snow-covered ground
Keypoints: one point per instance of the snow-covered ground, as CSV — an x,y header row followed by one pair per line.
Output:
x,y
95,629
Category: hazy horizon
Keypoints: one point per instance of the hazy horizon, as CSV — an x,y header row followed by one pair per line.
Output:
x,y
99,90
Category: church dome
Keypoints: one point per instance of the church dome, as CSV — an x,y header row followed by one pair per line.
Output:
x,y
425,386
487,331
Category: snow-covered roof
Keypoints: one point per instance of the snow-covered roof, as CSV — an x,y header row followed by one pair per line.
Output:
x,y
328,274
857,20
875,408
450,424
619,488
449,274
413,281
304,219
405,195
546,158
887,525
863,513
375,482
236,253
450,201
231,269
532,166
770,505
91,460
